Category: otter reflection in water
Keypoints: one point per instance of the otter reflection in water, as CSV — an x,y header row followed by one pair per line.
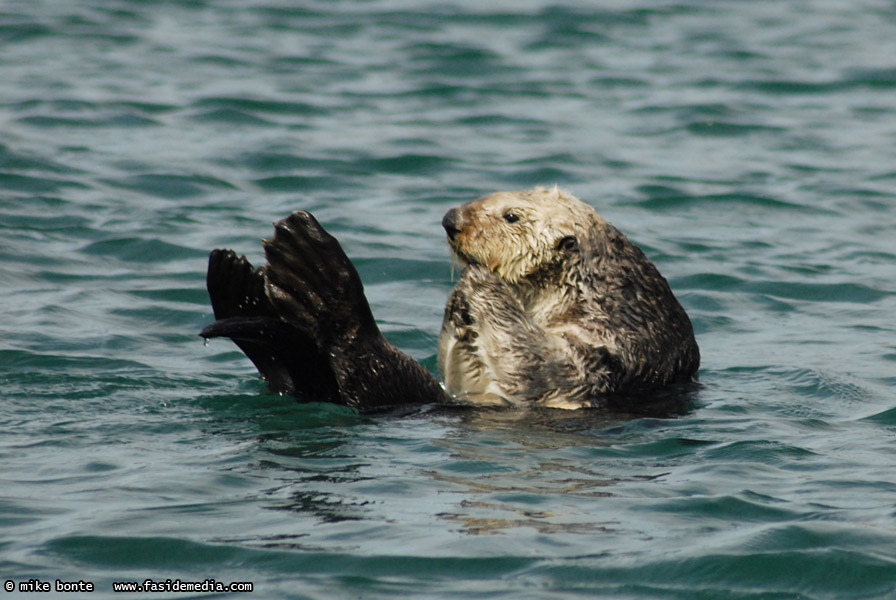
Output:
x,y
555,307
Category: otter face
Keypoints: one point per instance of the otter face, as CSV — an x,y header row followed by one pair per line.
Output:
x,y
515,234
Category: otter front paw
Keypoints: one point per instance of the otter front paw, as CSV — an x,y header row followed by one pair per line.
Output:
x,y
313,284
486,294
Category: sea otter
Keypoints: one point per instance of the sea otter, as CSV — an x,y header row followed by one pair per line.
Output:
x,y
555,307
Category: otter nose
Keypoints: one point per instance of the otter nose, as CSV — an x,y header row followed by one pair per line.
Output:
x,y
450,223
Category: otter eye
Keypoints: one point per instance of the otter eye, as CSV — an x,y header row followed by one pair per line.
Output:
x,y
511,217
568,243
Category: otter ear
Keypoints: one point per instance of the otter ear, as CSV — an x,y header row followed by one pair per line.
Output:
x,y
568,244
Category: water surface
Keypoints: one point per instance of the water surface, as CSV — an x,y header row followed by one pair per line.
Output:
x,y
748,147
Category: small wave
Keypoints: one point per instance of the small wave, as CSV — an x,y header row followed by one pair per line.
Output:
x,y
15,161
660,196
133,249
876,79
405,163
141,552
231,116
255,105
885,417
846,292
169,185
766,452
299,183
746,507
831,572
113,120
36,185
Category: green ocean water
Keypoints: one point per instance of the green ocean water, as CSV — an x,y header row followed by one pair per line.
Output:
x,y
748,147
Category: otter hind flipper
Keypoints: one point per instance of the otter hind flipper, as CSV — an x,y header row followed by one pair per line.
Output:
x,y
312,283
313,286
235,287
288,362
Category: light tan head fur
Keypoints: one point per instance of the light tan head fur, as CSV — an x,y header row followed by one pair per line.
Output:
x,y
515,234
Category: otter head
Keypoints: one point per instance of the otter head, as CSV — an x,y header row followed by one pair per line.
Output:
x,y
518,234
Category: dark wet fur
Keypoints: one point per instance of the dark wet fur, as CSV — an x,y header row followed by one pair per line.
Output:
x,y
287,360
304,321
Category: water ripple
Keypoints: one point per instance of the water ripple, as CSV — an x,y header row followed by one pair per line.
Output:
x,y
747,148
